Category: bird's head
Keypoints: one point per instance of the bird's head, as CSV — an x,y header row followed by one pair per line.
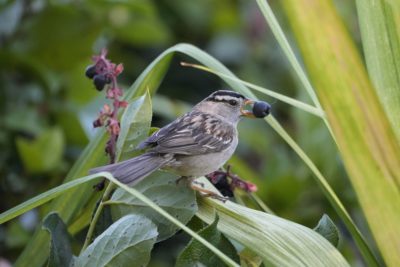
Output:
x,y
230,105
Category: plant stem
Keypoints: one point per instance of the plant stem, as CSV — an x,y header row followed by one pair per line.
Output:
x,y
96,215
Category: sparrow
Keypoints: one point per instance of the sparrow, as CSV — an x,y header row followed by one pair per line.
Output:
x,y
195,144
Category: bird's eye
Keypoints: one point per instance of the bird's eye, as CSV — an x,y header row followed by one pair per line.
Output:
x,y
233,102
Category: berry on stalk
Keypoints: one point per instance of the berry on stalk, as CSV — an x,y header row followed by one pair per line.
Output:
x,y
99,81
90,71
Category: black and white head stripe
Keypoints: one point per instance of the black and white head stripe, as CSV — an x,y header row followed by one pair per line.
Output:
x,y
224,96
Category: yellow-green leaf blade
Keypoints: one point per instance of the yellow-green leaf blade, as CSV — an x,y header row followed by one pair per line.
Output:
x,y
366,141
381,43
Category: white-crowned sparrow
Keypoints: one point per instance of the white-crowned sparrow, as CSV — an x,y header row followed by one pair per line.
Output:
x,y
195,144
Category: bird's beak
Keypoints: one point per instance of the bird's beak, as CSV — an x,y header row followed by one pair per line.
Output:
x,y
244,112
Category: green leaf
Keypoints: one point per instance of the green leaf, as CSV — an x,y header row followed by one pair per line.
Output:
x,y
127,242
60,247
195,254
43,153
328,229
277,241
160,187
366,140
135,126
381,44
287,49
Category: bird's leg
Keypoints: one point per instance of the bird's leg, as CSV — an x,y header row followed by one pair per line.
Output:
x,y
205,192
197,183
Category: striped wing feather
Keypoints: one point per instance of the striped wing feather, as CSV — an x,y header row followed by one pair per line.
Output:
x,y
192,134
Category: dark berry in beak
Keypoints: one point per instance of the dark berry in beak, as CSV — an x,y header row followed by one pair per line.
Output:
x,y
261,109
90,71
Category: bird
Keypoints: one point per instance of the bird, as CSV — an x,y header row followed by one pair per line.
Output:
x,y
195,144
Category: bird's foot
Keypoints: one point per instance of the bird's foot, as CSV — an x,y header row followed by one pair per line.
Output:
x,y
198,183
207,193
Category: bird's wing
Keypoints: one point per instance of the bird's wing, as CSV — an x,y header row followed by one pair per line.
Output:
x,y
192,134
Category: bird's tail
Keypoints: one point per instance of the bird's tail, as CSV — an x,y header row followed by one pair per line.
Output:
x,y
134,170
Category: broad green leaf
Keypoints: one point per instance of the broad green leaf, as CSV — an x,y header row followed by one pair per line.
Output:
x,y
366,141
43,153
195,254
277,241
381,43
161,188
328,229
60,248
127,242
135,126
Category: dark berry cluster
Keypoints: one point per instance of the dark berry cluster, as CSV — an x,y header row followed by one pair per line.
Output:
x,y
104,74
103,71
99,79
226,182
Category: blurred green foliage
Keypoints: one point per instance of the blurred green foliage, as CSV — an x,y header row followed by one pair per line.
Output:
x,y
47,105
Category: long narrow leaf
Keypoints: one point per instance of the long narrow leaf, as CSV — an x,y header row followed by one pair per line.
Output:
x,y
381,43
366,141
281,38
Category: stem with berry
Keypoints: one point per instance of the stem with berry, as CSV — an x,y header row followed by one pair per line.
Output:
x,y
104,74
